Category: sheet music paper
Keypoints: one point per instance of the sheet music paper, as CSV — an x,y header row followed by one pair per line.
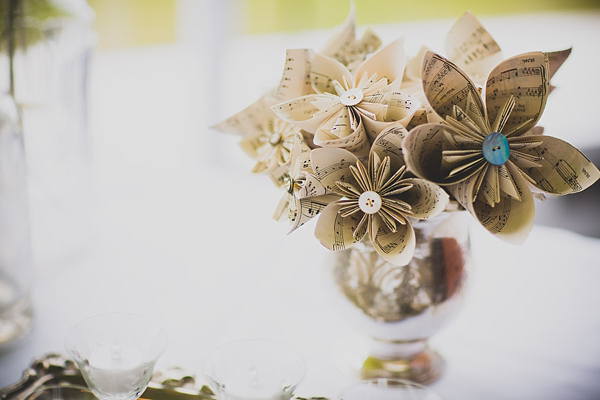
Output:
x,y
354,118
453,153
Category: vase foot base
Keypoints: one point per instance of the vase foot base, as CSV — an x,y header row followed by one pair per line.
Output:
x,y
424,367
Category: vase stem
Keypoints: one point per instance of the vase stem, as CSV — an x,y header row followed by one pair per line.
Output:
x,y
412,359
394,349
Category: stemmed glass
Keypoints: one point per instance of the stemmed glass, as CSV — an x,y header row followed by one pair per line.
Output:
x,y
254,369
116,353
387,389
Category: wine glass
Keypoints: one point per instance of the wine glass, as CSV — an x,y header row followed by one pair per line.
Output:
x,y
387,389
254,369
116,353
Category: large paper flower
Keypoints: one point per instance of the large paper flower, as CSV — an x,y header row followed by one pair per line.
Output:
x,y
376,199
346,107
486,151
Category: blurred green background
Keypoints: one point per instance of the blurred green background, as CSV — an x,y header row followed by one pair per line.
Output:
x,y
281,15
125,23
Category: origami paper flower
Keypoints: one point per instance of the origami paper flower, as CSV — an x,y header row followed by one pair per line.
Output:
x,y
273,146
305,196
486,151
346,107
344,47
376,199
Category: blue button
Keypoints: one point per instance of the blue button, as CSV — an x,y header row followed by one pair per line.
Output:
x,y
495,148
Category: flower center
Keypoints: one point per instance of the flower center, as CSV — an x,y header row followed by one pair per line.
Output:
x,y
495,148
351,97
275,139
369,202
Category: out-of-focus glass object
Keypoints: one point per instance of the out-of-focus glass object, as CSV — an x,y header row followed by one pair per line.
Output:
x,y
15,247
45,62
116,353
251,369
401,307
387,389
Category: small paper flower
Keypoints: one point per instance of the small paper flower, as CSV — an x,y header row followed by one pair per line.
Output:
x,y
376,199
346,108
273,146
486,151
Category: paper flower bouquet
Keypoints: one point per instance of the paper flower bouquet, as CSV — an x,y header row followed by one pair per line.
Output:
x,y
368,140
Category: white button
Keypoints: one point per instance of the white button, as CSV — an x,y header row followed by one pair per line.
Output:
x,y
369,202
351,97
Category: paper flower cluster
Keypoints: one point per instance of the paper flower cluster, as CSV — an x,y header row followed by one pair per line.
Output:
x,y
370,140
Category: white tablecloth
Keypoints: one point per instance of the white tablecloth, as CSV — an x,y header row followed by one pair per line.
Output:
x,y
183,233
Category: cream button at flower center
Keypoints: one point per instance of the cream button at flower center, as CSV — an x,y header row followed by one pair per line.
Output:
x,y
369,202
351,97
274,139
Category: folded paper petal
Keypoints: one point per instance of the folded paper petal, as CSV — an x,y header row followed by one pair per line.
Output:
x,y
324,71
564,169
413,66
331,165
389,144
300,158
395,247
310,186
388,62
446,86
510,220
304,114
374,128
356,143
556,60
426,198
422,150
250,121
344,47
308,208
334,231
295,80
400,107
526,78
251,142
472,47
345,36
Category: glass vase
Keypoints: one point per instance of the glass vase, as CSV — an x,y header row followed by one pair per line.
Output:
x,y
15,246
400,307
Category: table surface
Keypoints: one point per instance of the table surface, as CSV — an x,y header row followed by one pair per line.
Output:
x,y
182,232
